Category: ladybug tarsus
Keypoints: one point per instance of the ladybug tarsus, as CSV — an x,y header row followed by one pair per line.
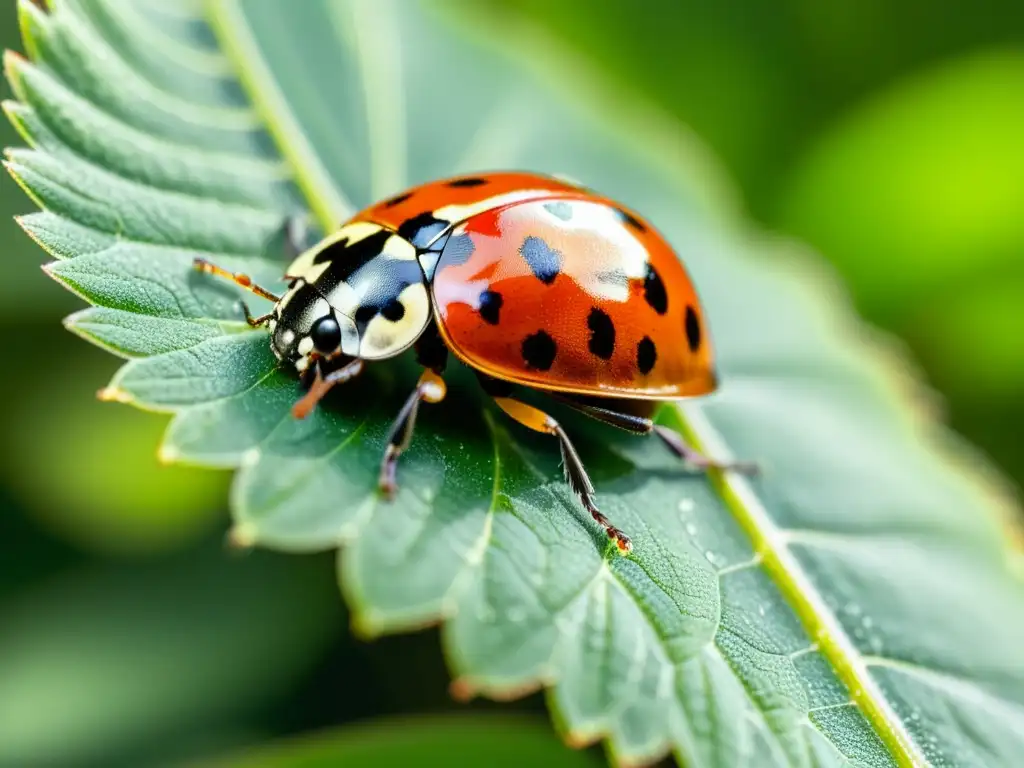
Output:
x,y
388,481
622,541
254,322
678,446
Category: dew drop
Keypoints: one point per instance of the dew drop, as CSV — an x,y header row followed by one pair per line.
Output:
x,y
691,529
710,556
686,505
867,622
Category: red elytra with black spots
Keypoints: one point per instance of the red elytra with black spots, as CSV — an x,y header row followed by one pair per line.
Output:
x,y
551,286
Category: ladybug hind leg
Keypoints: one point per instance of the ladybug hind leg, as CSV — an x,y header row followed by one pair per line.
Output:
x,y
644,425
575,473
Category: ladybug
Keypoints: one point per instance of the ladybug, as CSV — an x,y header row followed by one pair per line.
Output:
x,y
530,280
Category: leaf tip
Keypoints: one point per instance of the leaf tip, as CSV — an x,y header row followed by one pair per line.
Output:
x,y
12,59
10,108
13,62
167,454
29,22
114,394
462,690
465,689
364,626
242,536
580,739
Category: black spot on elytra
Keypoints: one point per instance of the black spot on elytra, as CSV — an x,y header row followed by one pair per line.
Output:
x,y
692,329
364,314
397,200
646,355
631,220
602,334
545,262
539,351
490,306
458,250
394,310
559,209
420,230
471,181
654,291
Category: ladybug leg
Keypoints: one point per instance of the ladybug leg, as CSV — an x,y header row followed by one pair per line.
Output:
x,y
678,446
255,322
430,389
644,425
575,473
322,385
202,265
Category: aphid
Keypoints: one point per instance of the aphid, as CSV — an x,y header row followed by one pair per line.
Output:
x,y
529,280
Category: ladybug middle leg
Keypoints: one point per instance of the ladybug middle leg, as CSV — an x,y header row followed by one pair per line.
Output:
x,y
635,416
430,389
432,354
575,473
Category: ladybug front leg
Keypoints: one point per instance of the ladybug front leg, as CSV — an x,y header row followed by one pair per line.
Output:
x,y
430,389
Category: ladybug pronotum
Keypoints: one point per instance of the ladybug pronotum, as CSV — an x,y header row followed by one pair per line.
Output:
x,y
529,280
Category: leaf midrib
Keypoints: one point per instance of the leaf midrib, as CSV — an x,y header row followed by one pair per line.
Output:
x,y
799,591
736,493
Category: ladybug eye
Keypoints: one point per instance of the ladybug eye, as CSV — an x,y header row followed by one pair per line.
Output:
x,y
326,335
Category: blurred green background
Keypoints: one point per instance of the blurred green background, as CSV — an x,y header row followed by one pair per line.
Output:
x,y
887,134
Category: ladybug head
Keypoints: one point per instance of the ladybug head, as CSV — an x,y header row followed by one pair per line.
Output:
x,y
304,323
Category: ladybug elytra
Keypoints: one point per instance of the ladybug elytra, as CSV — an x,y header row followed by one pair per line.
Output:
x,y
529,280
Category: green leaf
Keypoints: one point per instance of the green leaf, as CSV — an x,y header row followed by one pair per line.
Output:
x,y
855,605
450,740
